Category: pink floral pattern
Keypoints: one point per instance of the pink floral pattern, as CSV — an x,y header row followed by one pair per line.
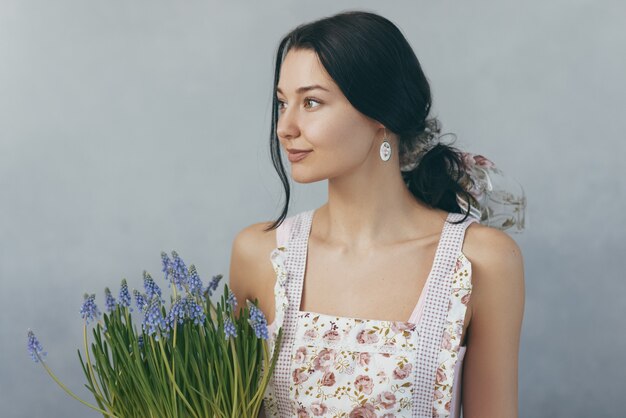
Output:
x,y
277,257
352,367
450,345
358,367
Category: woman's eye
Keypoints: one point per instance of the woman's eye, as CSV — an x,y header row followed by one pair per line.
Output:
x,y
281,103
308,99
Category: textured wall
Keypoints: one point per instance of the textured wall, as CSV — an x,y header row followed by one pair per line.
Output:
x,y
127,128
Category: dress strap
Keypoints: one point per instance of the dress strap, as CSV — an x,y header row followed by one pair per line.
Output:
x,y
294,267
283,232
435,313
278,258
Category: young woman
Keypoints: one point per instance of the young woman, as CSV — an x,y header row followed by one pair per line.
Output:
x,y
372,289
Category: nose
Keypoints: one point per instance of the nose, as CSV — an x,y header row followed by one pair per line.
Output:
x,y
287,125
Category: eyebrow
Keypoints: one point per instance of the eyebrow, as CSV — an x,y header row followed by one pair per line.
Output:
x,y
302,89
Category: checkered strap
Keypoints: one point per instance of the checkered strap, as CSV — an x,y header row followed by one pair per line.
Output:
x,y
433,319
295,264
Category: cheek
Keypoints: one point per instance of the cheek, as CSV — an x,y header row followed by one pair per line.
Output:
x,y
343,139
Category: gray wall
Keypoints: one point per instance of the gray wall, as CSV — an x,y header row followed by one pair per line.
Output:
x,y
127,128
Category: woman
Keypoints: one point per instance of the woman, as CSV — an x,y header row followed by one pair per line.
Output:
x,y
372,289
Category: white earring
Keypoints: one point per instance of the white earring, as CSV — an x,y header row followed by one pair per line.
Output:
x,y
385,149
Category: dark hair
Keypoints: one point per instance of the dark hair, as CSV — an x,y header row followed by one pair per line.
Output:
x,y
376,69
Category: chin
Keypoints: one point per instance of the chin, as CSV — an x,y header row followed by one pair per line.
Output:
x,y
305,179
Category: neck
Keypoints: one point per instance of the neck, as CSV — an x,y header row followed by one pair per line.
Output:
x,y
366,211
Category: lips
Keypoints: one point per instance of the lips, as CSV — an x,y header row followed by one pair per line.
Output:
x,y
295,156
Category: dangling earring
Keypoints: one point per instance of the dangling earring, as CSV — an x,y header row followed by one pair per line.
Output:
x,y
385,148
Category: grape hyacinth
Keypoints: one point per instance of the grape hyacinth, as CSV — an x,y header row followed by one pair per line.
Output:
x,y
123,363
153,319
178,271
185,308
165,260
195,311
109,300
89,310
140,299
34,347
257,321
231,301
212,286
194,282
124,298
229,328
150,286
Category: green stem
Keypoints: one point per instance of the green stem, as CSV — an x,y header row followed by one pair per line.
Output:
x,y
173,369
91,373
69,392
176,388
236,379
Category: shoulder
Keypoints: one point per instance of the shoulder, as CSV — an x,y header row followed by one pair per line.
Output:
x,y
491,365
249,262
250,239
486,244
497,269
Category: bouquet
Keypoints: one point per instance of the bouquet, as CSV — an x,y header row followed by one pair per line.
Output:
x,y
195,360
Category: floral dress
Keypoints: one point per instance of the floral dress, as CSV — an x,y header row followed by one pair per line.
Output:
x,y
332,366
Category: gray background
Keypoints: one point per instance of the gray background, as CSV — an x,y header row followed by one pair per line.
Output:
x,y
127,128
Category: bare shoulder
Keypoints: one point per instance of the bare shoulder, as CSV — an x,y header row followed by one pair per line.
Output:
x,y
490,376
254,236
495,256
250,266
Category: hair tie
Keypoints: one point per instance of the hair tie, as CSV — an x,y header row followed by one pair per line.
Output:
x,y
499,200
412,159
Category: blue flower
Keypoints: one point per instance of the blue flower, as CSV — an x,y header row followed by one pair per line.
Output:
x,y
195,284
109,300
178,271
140,299
213,285
89,310
153,318
150,286
182,308
124,299
165,260
229,328
256,315
231,301
34,347
176,313
257,321
140,341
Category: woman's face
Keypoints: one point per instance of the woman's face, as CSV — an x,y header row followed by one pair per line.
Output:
x,y
339,137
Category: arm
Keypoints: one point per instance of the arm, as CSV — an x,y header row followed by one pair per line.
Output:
x,y
490,371
244,265
244,268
